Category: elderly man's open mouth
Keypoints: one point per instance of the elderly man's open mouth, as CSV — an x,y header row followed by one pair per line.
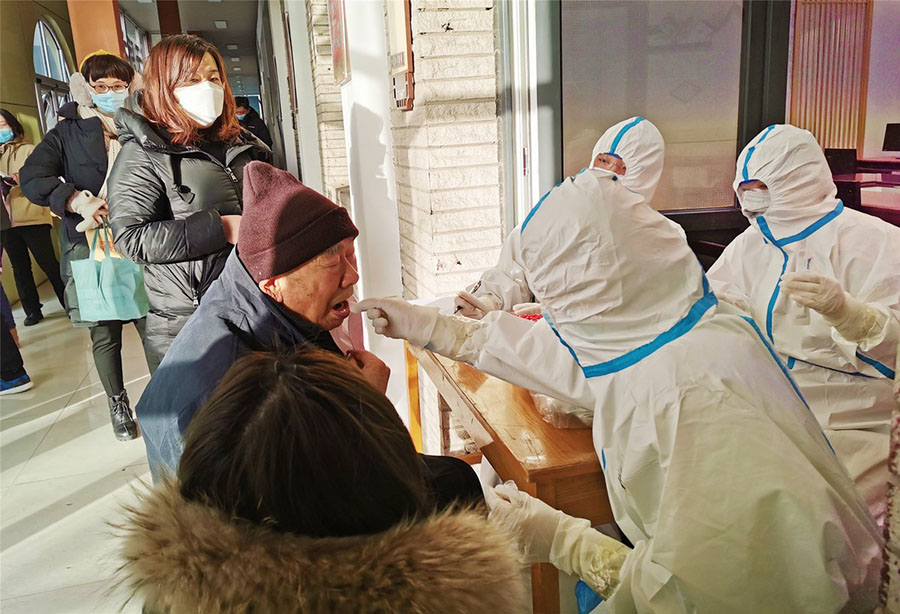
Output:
x,y
342,308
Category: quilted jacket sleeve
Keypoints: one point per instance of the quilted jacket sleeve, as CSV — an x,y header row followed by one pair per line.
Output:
x,y
40,179
141,219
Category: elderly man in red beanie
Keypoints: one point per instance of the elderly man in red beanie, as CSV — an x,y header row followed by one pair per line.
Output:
x,y
287,284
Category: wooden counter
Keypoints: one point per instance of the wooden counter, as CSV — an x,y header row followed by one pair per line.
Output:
x,y
556,465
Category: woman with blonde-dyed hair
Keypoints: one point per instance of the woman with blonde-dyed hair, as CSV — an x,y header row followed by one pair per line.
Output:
x,y
175,192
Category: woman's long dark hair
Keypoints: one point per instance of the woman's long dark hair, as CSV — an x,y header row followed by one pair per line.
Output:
x,y
304,444
15,126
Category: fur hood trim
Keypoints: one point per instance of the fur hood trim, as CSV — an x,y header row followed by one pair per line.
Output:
x,y
181,557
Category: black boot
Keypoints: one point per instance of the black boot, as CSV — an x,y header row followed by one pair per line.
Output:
x,y
34,318
122,419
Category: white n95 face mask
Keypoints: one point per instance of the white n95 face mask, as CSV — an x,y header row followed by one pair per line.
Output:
x,y
202,102
756,201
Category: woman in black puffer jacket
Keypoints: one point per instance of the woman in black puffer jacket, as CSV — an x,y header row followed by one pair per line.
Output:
x,y
175,191
68,172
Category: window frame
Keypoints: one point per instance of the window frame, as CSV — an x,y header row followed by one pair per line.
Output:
x,y
135,53
57,90
44,28
765,45
48,85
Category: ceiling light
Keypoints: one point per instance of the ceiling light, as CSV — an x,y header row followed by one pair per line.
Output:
x,y
237,69
145,1
231,47
213,0
221,24
235,59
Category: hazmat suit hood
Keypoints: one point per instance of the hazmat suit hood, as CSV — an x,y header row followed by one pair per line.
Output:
x,y
790,162
640,146
611,273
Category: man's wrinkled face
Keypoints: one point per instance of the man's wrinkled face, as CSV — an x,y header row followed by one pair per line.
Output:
x,y
609,162
318,290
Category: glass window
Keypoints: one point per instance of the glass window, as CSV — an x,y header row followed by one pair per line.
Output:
x,y
49,60
40,65
136,42
676,63
51,86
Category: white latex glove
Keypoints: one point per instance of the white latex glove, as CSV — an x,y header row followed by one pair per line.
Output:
x,y
475,307
544,534
530,521
527,309
426,327
86,205
853,319
396,318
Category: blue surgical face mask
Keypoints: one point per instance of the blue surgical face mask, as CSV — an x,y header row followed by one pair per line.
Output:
x,y
110,101
6,136
241,117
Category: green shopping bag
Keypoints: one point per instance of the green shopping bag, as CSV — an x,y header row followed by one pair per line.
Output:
x,y
112,289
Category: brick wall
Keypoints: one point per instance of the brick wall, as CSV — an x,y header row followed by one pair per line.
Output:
x,y
328,100
446,150
447,165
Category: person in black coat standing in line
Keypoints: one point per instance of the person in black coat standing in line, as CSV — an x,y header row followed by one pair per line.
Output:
x,y
250,119
68,172
175,198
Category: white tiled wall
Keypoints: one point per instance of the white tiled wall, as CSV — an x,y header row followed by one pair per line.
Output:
x,y
328,101
447,151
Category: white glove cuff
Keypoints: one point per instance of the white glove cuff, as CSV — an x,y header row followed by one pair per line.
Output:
x,y
422,337
858,322
457,338
492,302
585,552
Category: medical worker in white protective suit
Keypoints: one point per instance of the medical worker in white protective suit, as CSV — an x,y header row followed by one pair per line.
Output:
x,y
821,280
716,470
633,150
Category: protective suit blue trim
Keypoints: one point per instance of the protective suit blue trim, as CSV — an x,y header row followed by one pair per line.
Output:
x,y
603,458
561,340
628,359
776,359
745,171
880,367
780,243
812,228
541,201
786,373
791,361
625,128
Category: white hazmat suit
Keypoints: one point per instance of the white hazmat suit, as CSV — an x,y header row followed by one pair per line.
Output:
x,y
802,228
638,143
715,468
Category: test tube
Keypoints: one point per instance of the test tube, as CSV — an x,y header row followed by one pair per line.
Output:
x,y
800,313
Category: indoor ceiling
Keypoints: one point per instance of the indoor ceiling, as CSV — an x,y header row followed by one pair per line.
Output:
x,y
199,17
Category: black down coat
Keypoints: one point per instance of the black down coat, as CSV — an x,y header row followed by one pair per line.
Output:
x,y
70,158
165,205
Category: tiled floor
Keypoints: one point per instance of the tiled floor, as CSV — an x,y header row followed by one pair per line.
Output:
x,y
63,475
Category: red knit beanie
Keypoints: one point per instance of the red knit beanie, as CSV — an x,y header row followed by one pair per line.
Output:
x,y
285,223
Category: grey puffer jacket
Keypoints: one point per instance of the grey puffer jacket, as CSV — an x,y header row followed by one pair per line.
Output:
x,y
165,205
